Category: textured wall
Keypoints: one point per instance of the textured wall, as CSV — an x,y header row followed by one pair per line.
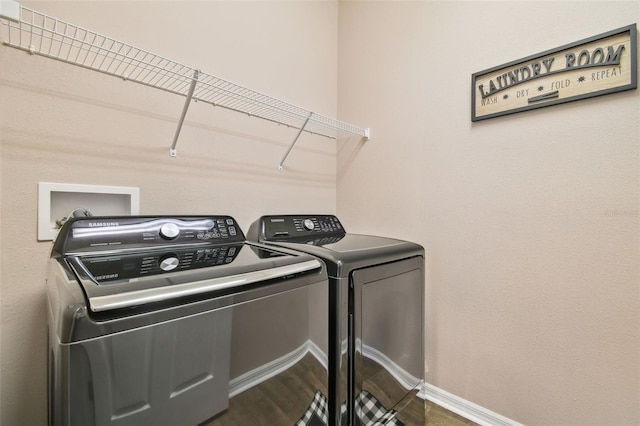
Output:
x,y
530,222
60,123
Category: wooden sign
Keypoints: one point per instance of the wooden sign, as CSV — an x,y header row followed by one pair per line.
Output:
x,y
600,65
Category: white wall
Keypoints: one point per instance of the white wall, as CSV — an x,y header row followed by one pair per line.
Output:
x,y
60,123
532,275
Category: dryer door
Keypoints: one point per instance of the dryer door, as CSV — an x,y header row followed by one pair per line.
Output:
x,y
389,361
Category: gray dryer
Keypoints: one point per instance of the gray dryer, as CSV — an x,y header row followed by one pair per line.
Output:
x,y
376,316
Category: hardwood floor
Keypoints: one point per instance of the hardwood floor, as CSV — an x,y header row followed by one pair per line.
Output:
x,y
283,399
438,416
412,410
280,400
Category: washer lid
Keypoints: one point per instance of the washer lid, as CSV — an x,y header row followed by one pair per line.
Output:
x,y
146,279
108,275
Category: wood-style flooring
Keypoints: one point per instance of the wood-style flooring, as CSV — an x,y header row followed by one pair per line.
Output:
x,y
280,400
284,398
412,411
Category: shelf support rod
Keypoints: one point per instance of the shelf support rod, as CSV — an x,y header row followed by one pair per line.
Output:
x,y
286,154
192,87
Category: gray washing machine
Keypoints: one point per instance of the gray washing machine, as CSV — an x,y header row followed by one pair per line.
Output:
x,y
178,321
376,316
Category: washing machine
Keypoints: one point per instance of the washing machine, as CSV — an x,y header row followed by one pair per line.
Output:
x,y
179,321
376,316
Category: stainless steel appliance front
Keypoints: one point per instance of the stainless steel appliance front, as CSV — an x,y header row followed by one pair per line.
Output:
x,y
178,325
376,303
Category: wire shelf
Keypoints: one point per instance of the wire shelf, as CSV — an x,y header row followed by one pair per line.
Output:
x,y
43,35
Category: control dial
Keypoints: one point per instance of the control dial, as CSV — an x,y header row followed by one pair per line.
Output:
x,y
169,262
308,224
169,231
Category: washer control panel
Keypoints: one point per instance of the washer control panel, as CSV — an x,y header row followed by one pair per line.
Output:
x,y
111,269
117,233
281,228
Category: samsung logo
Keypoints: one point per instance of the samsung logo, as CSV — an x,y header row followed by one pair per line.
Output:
x,y
102,224
106,277
277,220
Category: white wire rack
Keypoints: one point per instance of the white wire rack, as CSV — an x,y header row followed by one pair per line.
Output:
x,y
39,34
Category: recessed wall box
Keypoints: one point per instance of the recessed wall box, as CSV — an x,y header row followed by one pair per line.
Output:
x,y
10,9
57,201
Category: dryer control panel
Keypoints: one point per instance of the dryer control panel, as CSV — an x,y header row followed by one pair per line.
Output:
x,y
286,227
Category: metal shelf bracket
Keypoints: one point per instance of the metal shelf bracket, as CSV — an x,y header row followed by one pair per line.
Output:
x,y
286,154
192,87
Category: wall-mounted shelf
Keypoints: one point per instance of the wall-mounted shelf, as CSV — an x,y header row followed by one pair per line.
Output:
x,y
39,34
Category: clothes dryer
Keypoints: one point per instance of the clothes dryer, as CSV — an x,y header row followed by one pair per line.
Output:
x,y
376,316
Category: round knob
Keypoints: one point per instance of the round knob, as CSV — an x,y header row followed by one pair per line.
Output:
x,y
169,262
169,231
308,224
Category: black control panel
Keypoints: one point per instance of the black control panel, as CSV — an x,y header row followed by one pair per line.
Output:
x,y
113,269
286,227
118,233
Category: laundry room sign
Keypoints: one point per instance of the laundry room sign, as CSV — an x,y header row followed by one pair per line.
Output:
x,y
599,65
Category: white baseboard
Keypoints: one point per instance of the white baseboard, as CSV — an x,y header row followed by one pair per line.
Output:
x,y
275,367
451,402
405,379
464,408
